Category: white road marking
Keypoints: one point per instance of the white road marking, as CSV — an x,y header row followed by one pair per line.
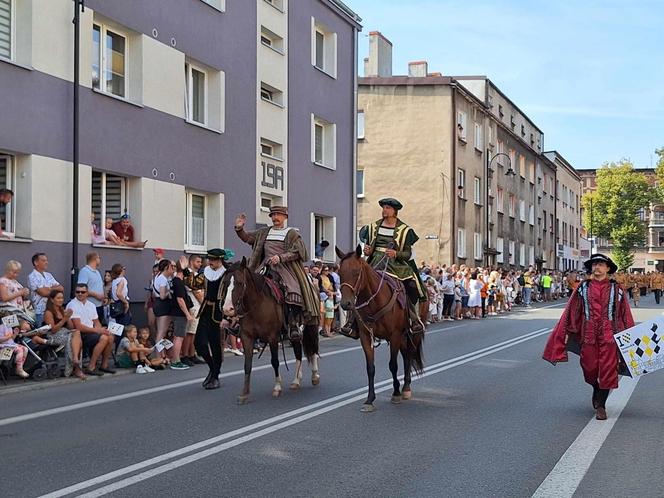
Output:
x,y
570,470
152,390
262,428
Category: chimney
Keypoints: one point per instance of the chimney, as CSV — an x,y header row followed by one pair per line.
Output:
x,y
379,62
418,69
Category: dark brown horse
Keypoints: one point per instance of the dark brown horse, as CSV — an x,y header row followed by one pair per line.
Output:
x,y
366,295
247,295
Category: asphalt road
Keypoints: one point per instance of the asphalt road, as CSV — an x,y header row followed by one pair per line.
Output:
x,y
488,418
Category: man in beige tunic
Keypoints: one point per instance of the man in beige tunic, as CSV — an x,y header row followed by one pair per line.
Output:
x,y
281,250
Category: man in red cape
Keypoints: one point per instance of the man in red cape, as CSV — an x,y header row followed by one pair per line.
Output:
x,y
598,309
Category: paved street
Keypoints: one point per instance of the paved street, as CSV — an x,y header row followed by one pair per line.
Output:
x,y
488,418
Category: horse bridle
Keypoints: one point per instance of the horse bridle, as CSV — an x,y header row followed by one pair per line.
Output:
x,y
354,305
240,312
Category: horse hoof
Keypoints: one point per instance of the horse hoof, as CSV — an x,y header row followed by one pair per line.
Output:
x,y
367,408
295,386
276,393
315,380
242,400
406,395
396,399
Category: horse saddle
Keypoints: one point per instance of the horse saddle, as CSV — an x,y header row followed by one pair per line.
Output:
x,y
276,288
398,289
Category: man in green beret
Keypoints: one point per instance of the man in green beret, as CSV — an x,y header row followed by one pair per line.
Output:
x,y
388,246
282,250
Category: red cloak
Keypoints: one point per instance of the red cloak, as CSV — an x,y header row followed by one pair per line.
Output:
x,y
597,310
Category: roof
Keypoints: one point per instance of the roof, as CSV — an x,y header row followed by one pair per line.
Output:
x,y
346,10
557,155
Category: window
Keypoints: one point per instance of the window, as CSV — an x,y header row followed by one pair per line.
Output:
x,y
500,199
478,137
551,223
477,184
531,172
196,225
7,181
272,94
522,166
531,255
323,228
266,203
109,197
278,4
196,91
522,254
360,125
359,181
461,183
500,149
477,243
512,155
490,134
512,252
551,189
522,210
461,243
531,214
544,218
272,149
511,208
108,60
323,48
323,142
461,126
6,30
272,40
500,246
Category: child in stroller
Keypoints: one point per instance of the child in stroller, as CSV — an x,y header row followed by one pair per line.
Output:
x,y
16,351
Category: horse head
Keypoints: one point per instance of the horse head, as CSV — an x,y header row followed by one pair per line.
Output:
x,y
350,274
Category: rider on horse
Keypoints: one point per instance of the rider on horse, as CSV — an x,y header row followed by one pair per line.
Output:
x,y
281,250
388,246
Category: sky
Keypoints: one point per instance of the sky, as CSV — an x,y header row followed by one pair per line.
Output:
x,y
589,73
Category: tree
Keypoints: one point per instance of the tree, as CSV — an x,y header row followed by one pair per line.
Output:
x,y
621,193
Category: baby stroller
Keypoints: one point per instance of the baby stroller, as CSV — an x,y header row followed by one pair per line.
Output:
x,y
42,361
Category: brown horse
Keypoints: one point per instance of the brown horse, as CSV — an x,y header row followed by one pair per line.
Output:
x,y
248,296
366,295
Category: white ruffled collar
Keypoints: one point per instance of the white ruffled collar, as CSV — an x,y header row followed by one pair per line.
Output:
x,y
213,275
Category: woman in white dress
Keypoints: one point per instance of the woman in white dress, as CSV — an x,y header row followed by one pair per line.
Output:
x,y
474,296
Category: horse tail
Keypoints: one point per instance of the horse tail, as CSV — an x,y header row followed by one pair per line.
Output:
x,y
310,341
414,353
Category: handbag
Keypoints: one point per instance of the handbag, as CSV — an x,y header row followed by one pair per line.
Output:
x,y
116,309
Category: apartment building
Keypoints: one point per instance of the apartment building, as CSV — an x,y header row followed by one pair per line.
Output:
x,y
464,159
185,120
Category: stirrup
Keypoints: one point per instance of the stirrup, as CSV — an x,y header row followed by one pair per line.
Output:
x,y
294,333
348,331
416,327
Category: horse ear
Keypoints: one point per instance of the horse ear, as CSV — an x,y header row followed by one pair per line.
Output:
x,y
358,251
340,254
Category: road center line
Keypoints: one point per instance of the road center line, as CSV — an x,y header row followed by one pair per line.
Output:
x,y
570,470
152,390
259,429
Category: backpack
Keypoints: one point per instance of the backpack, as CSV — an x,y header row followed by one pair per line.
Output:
x,y
521,280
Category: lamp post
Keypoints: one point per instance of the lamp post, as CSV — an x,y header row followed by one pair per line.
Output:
x,y
489,175
592,240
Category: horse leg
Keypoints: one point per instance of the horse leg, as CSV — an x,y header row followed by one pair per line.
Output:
x,y
310,344
247,345
406,393
315,376
367,346
274,353
297,349
394,369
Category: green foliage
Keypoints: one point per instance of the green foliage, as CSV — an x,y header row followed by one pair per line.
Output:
x,y
621,193
659,169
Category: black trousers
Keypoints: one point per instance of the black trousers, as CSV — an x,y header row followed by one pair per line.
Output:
x,y
208,341
448,301
411,290
658,295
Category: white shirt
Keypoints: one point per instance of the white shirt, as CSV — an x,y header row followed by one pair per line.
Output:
x,y
114,288
159,282
86,312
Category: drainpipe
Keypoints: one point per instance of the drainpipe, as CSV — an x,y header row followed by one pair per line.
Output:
x,y
79,6
353,227
454,191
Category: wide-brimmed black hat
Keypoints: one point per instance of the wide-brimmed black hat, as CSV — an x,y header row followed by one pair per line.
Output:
x,y
595,258
390,201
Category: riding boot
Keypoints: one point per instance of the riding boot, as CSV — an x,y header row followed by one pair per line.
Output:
x,y
349,329
294,332
416,325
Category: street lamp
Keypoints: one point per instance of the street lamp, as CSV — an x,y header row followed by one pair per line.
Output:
x,y
489,175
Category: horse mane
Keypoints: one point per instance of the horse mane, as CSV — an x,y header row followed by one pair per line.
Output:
x,y
258,279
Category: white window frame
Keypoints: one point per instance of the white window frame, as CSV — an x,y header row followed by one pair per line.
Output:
x,y
103,29
274,148
462,119
329,48
511,206
12,31
522,165
477,190
500,247
531,255
332,226
461,243
189,222
512,251
500,200
461,182
274,95
329,133
522,210
360,125
10,212
360,189
189,98
500,148
478,137
522,254
531,214
477,246
123,199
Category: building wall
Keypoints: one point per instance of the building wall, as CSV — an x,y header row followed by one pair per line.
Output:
x,y
406,153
